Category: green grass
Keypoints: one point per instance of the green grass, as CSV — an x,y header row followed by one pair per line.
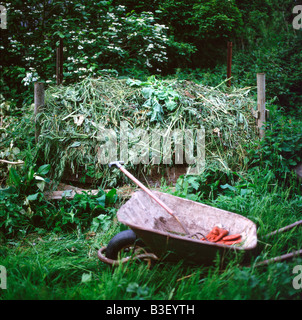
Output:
x,y
47,254
48,265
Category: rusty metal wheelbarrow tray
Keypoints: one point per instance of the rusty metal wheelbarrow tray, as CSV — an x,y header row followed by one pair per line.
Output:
x,y
165,238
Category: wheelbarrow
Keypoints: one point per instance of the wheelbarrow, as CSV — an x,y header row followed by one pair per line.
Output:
x,y
163,237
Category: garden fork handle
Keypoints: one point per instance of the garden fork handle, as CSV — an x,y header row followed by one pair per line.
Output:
x,y
119,164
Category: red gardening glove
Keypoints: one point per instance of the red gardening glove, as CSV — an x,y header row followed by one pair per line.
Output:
x,y
231,239
216,234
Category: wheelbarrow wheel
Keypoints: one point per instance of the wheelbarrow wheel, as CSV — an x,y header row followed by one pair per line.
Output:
x,y
124,239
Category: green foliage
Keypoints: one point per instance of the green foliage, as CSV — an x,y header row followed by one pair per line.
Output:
x,y
50,247
18,200
23,206
117,40
48,265
204,186
28,179
150,37
204,25
85,211
160,97
281,148
268,43
216,20
12,215
14,143
278,60
96,36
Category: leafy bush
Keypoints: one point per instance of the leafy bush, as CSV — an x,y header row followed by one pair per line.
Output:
x,y
204,25
17,139
204,186
160,97
281,148
23,206
86,212
96,36
24,186
278,60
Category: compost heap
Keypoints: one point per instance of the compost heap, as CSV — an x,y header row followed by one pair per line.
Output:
x,y
75,115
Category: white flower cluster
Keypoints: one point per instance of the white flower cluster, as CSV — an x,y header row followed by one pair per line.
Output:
x,y
116,36
30,77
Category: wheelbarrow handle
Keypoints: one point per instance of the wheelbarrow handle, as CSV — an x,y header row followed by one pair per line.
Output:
x,y
149,192
286,228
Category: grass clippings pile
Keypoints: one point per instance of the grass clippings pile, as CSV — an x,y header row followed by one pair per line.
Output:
x,y
74,117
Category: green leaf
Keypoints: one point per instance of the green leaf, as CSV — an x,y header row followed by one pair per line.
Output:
x,y
133,83
15,151
101,200
75,144
86,277
147,92
7,191
227,186
102,221
41,185
161,95
14,177
30,174
111,196
33,197
60,34
170,104
193,182
243,192
132,287
44,169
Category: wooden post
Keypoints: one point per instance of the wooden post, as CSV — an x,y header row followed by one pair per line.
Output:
x,y
39,102
229,65
59,63
58,66
261,103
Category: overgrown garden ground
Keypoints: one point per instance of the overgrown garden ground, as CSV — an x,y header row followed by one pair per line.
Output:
x,y
50,247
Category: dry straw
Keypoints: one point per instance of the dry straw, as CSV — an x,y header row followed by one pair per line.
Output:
x,y
74,116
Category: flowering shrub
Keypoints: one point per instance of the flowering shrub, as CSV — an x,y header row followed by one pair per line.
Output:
x,y
96,36
120,42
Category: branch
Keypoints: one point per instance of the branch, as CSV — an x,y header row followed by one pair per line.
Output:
x,y
11,162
